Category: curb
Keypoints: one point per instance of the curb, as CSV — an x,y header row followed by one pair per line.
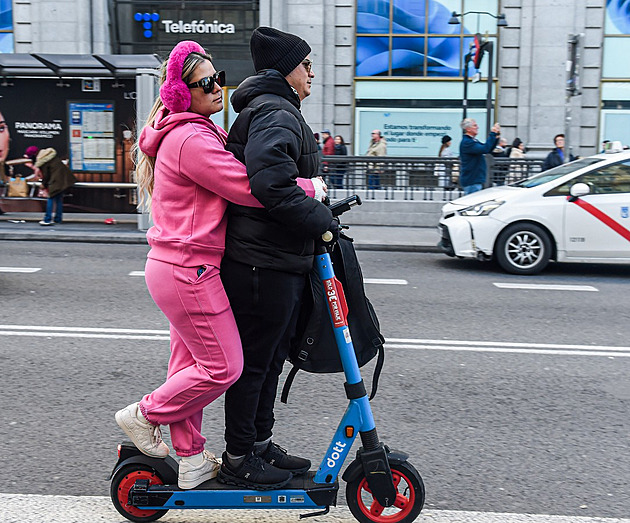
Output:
x,y
140,239
94,237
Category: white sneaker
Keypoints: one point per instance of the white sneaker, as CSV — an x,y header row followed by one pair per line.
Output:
x,y
144,435
43,222
191,476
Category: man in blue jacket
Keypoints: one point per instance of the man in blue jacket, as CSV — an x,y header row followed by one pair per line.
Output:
x,y
556,157
471,151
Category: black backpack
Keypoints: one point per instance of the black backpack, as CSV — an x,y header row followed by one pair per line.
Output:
x,y
314,348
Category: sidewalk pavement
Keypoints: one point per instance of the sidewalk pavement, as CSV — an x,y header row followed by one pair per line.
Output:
x,y
91,228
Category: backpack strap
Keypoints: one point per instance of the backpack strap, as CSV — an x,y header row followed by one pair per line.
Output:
x,y
375,377
377,370
287,384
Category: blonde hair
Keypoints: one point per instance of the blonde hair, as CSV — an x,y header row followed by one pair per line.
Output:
x,y
145,164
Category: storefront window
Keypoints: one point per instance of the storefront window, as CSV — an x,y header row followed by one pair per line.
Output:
x,y
373,16
414,38
616,40
615,113
617,17
408,56
6,26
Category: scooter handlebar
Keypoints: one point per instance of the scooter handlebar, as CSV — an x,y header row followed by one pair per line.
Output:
x,y
338,208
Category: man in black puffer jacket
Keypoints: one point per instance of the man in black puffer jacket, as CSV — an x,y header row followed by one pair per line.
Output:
x,y
269,251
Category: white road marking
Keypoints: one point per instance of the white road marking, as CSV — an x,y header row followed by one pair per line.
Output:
x,y
81,329
20,269
95,509
508,347
385,281
377,281
392,343
546,287
83,332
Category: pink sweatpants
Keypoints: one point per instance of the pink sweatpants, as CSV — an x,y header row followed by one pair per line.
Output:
x,y
206,354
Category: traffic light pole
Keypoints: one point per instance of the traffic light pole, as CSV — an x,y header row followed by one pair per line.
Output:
x,y
467,58
572,87
489,46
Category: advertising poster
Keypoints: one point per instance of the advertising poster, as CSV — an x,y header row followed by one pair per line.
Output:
x,y
413,132
92,142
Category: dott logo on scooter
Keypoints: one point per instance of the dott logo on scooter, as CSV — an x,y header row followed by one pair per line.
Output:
x,y
332,459
333,303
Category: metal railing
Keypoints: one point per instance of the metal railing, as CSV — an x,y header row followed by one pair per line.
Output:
x,y
373,178
413,178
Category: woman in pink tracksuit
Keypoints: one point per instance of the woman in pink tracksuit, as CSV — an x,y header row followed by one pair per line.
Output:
x,y
190,178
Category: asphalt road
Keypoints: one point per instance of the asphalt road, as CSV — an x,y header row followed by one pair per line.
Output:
x,y
528,414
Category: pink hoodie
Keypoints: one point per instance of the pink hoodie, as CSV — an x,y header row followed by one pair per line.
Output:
x,y
195,178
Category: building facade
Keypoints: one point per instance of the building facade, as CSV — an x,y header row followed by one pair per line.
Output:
x,y
395,65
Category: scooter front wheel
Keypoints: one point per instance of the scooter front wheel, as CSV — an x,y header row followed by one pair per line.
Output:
x,y
409,499
119,492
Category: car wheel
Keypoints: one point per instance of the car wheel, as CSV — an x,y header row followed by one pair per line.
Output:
x,y
523,248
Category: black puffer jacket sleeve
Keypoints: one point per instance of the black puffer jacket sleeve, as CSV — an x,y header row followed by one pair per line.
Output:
x,y
273,155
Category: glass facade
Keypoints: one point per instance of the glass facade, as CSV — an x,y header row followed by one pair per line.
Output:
x,y
413,38
615,115
6,26
409,71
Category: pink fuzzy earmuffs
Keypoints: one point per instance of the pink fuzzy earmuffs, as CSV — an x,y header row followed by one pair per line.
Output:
x,y
174,92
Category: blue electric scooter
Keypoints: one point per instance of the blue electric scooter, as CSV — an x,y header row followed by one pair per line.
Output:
x,y
382,486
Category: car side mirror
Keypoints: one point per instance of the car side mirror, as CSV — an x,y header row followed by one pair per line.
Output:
x,y
579,189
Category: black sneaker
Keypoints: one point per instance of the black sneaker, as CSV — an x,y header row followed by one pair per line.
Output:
x,y
253,473
277,456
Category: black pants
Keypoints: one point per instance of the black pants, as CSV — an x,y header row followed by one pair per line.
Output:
x,y
266,305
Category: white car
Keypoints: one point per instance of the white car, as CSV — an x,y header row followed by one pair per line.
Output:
x,y
577,212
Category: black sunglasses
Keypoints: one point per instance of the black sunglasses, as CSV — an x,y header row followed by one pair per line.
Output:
x,y
207,83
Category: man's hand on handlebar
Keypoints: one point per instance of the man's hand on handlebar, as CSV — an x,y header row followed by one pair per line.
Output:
x,y
332,234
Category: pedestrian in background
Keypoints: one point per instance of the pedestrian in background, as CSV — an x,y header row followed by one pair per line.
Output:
x,y
445,148
446,172
557,156
339,168
5,140
189,177
473,174
518,149
517,170
377,147
328,143
56,179
501,149
269,252
328,149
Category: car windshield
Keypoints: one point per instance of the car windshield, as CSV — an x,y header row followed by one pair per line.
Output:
x,y
556,172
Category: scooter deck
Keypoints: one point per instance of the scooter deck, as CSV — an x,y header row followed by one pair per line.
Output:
x,y
300,492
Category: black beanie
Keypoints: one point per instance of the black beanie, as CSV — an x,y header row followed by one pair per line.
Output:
x,y
273,49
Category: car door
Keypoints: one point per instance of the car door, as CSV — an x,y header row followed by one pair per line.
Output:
x,y
597,225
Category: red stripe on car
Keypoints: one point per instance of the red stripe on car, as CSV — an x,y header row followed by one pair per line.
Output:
x,y
604,218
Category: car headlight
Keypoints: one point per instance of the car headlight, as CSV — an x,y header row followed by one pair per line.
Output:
x,y
481,209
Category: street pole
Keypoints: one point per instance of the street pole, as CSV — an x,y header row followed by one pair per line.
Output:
x,y
145,88
465,100
490,49
572,87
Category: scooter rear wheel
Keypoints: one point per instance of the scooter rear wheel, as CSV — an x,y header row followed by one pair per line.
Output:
x,y
408,504
119,492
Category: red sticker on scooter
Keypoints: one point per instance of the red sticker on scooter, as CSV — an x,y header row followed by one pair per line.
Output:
x,y
336,311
